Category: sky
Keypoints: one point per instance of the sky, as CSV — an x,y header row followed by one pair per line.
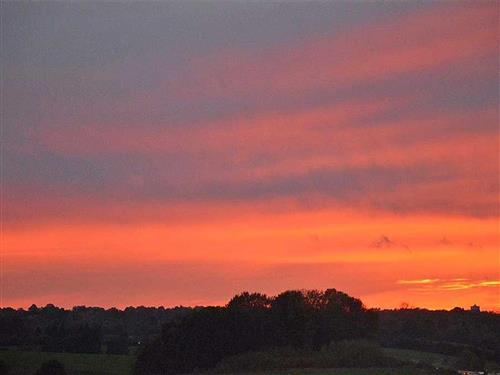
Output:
x,y
177,153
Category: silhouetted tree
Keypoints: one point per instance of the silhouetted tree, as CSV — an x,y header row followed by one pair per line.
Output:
x,y
249,318
252,321
469,360
249,301
291,315
86,339
117,345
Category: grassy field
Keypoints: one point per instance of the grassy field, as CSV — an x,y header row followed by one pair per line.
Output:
x,y
26,363
344,371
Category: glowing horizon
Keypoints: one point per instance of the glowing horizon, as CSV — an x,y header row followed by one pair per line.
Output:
x,y
180,153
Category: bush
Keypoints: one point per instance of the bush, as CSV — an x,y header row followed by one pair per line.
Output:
x,y
469,361
52,367
117,345
358,353
351,353
274,359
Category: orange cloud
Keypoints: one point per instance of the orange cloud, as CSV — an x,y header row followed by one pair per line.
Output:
x,y
421,281
415,42
288,189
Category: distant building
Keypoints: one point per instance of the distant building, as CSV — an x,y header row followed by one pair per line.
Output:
x,y
475,308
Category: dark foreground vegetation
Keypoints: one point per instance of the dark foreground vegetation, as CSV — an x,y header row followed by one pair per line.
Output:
x,y
249,322
252,333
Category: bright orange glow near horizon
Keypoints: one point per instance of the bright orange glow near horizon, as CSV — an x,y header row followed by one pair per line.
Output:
x,y
178,154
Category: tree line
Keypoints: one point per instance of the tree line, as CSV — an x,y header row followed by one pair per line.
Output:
x,y
83,329
182,339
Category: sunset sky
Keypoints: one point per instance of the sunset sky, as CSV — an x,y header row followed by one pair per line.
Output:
x,y
174,153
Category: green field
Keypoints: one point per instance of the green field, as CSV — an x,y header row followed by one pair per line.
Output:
x,y
26,363
344,371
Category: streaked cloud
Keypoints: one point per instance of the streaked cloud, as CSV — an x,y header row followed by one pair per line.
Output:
x,y
292,137
417,282
449,284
